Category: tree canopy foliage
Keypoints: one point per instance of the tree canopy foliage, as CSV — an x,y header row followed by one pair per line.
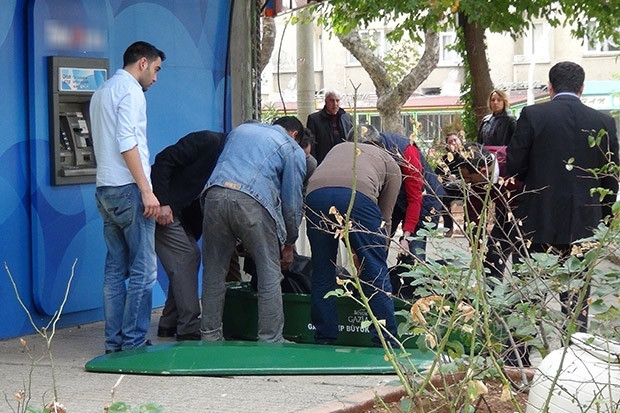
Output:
x,y
498,16
587,19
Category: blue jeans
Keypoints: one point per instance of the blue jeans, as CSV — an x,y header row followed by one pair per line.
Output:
x,y
230,215
130,266
369,243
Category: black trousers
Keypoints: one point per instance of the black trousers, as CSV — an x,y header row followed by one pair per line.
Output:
x,y
452,194
568,299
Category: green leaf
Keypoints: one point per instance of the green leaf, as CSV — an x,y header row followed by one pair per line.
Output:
x,y
151,407
574,265
611,315
335,293
455,349
449,368
406,405
118,407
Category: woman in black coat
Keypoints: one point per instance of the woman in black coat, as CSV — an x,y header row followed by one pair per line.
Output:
x,y
498,126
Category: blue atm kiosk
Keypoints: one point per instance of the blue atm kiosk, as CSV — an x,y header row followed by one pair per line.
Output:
x,y
55,53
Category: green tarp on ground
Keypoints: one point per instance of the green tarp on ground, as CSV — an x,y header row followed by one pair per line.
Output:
x,y
228,358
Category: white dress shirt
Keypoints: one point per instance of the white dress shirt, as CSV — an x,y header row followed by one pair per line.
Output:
x,y
118,124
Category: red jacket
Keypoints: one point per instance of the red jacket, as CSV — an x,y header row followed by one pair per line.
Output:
x,y
413,181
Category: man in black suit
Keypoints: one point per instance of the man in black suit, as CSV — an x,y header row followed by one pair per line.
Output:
x,y
179,175
557,207
330,125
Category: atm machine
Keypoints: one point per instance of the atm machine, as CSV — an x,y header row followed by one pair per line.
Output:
x,y
72,82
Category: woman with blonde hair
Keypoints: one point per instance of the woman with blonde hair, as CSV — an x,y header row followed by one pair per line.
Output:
x,y
498,126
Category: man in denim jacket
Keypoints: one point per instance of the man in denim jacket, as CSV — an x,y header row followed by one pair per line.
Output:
x,y
254,195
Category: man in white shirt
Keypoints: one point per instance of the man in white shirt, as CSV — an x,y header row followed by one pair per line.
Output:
x,y
125,196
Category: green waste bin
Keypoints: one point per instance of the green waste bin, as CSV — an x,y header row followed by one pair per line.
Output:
x,y
241,315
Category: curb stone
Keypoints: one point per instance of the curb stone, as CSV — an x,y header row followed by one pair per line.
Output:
x,y
364,401
361,402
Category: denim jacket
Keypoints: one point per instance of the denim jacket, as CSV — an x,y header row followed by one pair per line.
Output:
x,y
264,162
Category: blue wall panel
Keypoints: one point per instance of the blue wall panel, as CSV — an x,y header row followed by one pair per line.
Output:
x,y
46,228
14,184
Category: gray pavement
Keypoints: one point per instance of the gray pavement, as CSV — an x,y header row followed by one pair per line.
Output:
x,y
84,392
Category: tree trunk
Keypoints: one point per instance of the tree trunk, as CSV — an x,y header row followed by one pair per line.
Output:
x,y
268,41
305,65
476,56
391,98
389,104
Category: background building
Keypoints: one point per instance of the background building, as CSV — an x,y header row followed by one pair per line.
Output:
x,y
515,66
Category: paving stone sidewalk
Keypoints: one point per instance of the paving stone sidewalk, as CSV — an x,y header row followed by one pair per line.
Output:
x,y
84,392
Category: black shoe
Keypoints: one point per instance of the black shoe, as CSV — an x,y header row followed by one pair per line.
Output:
x,y
147,343
108,351
166,331
513,356
188,337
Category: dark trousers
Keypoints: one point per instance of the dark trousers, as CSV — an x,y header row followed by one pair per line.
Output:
x,y
452,195
179,254
368,241
568,299
503,239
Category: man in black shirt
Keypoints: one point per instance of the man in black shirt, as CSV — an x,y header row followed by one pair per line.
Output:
x,y
179,175
329,125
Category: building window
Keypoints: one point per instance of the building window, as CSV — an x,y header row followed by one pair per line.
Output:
x,y
534,45
377,42
597,47
362,119
447,55
375,120
430,126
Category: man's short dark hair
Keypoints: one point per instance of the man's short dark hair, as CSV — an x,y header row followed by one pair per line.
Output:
x,y
474,157
566,77
307,139
141,49
291,124
366,133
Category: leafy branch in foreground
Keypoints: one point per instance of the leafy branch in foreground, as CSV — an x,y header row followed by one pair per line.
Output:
x,y
23,398
122,407
21,401
471,320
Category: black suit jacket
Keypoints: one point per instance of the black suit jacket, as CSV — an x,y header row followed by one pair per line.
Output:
x,y
321,126
561,209
181,171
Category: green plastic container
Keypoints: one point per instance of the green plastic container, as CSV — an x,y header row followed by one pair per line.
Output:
x,y
241,315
